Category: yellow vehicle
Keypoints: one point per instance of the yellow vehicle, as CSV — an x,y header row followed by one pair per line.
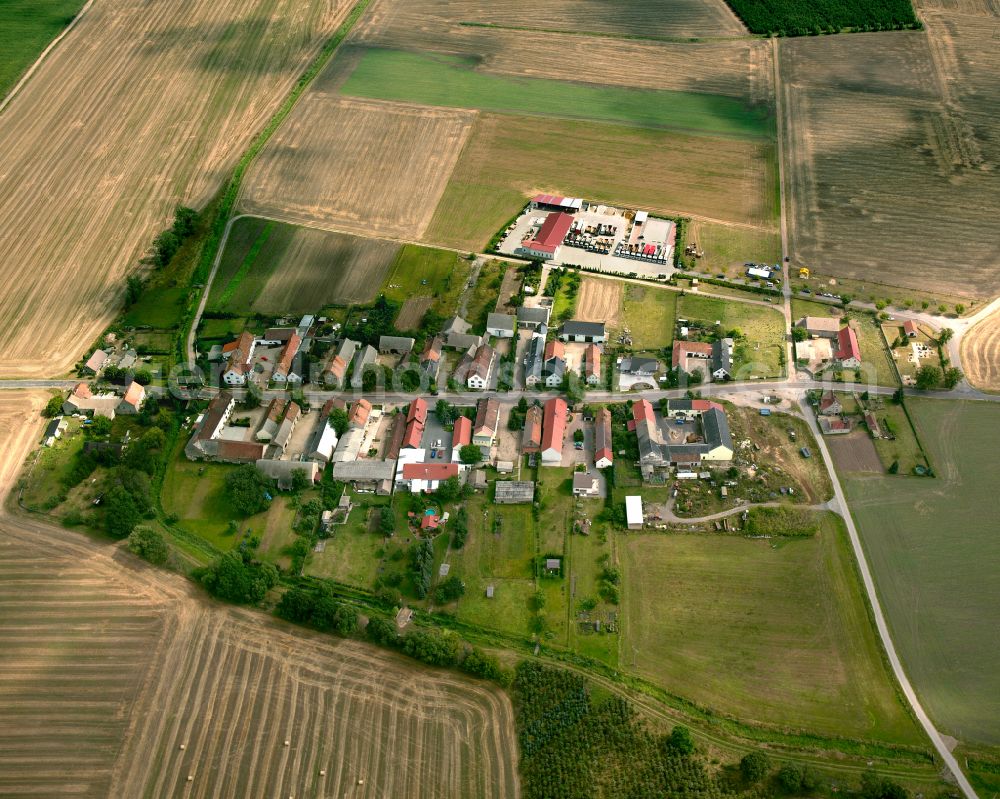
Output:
x,y
804,271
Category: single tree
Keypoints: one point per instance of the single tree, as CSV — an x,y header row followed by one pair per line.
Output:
x,y
928,377
248,490
53,407
754,767
149,544
338,420
470,454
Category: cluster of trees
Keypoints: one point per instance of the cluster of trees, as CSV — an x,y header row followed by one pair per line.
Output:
x,y
609,583
422,563
149,544
470,454
795,18
318,609
387,521
167,243
517,414
119,376
248,490
459,528
929,377
126,501
378,321
449,590
238,576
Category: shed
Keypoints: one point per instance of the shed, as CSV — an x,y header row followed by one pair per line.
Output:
x,y
633,512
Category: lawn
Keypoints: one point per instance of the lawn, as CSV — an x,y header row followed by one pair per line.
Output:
x,y
26,28
649,316
46,488
158,308
776,633
447,80
904,448
933,548
220,329
195,493
764,329
484,296
586,558
352,554
508,158
426,272
728,248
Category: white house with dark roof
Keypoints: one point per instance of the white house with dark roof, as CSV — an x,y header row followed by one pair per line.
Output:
x,y
575,330
500,325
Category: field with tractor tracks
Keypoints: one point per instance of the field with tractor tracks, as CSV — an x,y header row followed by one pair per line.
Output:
x,y
888,134
140,107
981,354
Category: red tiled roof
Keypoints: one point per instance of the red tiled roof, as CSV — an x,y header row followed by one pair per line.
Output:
x,y
135,394
642,410
554,424
288,353
244,451
462,434
682,349
531,439
910,327
418,411
554,349
848,341
239,353
486,416
359,412
414,432
551,233
330,404
592,360
704,405
429,471
82,390
602,435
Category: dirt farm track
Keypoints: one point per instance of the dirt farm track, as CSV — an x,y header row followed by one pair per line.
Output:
x,y
141,106
88,634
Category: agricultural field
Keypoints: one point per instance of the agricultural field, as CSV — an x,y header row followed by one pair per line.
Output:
x,y
453,81
650,316
376,169
26,29
276,268
775,632
933,550
764,329
509,158
885,131
854,453
175,95
601,301
425,22
981,354
728,247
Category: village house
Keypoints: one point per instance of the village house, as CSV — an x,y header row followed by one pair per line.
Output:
x,y
553,364
820,326
532,318
240,359
592,365
475,367
461,436
269,426
430,358
132,401
829,405
531,438
424,477
603,457
848,354
335,369
553,431
586,485
283,372
639,366
357,416
323,441
82,400
285,428
95,362
416,419
364,358
534,358
910,328
487,422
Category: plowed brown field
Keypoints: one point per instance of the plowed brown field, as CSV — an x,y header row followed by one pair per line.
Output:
x,y
892,152
370,167
142,105
981,354
599,301
109,667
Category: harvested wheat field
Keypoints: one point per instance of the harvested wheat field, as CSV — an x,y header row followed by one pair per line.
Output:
x,y
889,136
630,18
108,667
140,107
599,301
369,167
981,354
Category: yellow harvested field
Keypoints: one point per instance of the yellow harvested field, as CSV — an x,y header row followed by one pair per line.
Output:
x,y
981,354
118,679
359,166
892,150
140,107
424,22
599,301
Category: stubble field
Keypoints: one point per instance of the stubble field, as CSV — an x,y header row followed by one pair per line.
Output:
x,y
367,167
981,354
599,301
892,155
140,107
108,667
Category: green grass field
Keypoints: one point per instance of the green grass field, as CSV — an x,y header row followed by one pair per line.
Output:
x,y
763,327
159,308
446,80
351,553
904,448
773,633
26,28
933,547
727,248
427,272
650,314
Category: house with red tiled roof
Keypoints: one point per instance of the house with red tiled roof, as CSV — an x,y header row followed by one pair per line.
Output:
x,y
592,365
283,370
424,477
135,395
603,457
240,361
553,431
531,438
357,417
910,328
848,354
484,429
416,418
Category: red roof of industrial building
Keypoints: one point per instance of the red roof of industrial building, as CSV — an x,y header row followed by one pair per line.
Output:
x,y
849,347
554,424
462,434
551,233
429,471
